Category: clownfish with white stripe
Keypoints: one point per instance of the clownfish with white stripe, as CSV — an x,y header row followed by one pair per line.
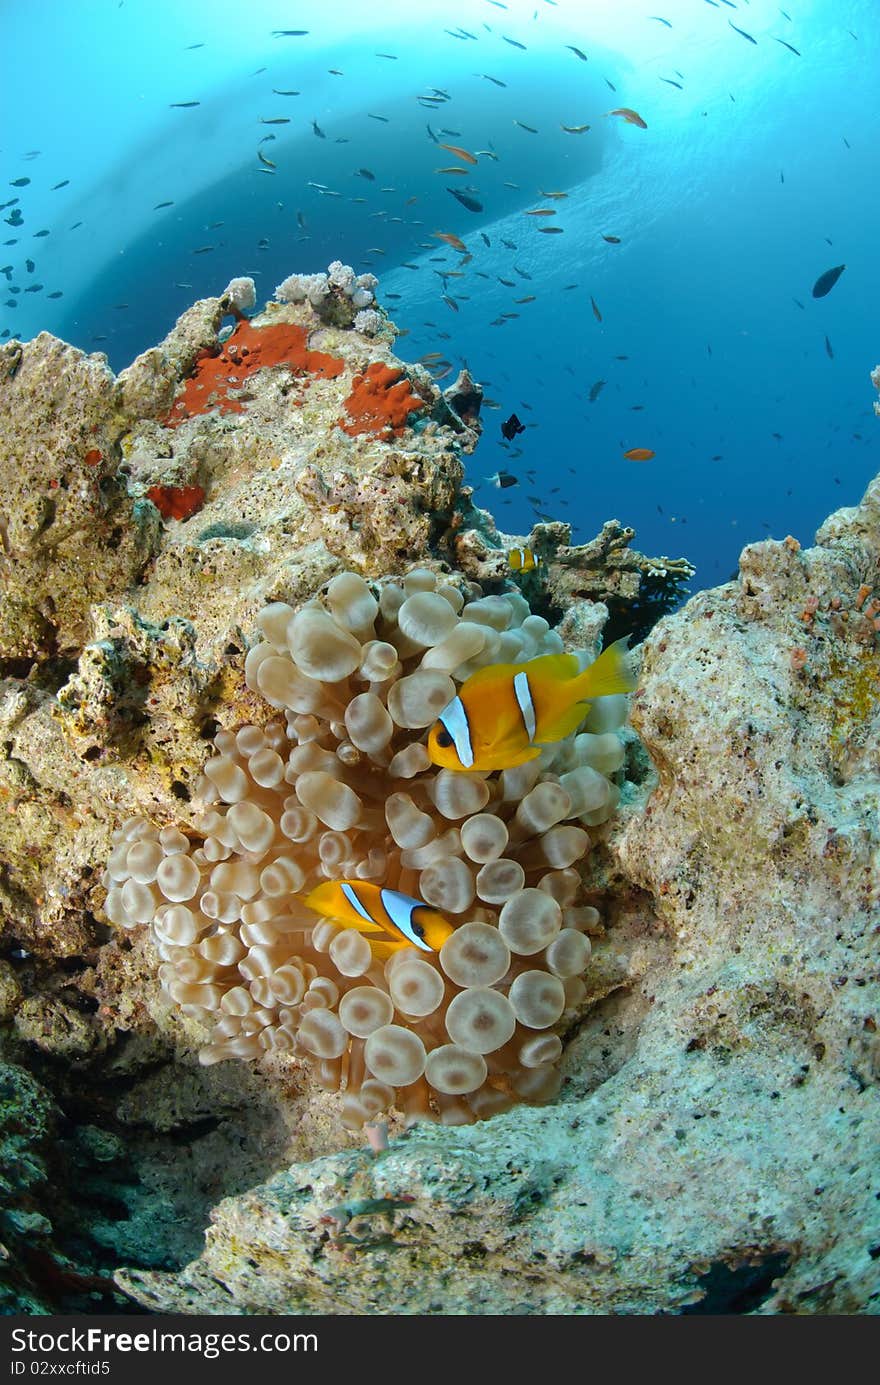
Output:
x,y
388,919
522,560
504,714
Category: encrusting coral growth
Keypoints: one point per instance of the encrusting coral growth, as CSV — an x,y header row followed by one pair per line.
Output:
x,y
342,789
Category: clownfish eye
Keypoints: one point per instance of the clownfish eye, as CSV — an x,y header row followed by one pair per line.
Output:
x,y
444,740
418,930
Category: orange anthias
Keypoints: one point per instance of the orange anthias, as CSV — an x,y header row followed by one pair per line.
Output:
x,y
246,351
380,402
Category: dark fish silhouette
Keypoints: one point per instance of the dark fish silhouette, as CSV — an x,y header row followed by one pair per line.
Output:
x,y
470,202
511,426
825,282
596,390
828,349
742,31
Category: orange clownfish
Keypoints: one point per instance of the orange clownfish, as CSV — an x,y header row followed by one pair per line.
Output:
x,y
639,454
521,560
389,920
505,713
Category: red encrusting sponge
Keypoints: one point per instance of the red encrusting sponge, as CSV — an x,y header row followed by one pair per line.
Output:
x,y
380,402
246,351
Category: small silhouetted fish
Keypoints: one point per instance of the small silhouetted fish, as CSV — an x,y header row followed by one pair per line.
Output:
x,y
33,288
612,240
531,129
180,106
502,479
577,52
660,20
19,182
781,176
365,173
56,294
190,47
669,82
383,118
284,93
29,266
596,314
509,243
275,120
551,230
263,160
289,33
530,298
596,390
630,116
798,301
789,46
497,81
470,203
392,56
450,303
825,282
511,426
38,234
846,141
828,349
60,185
316,129
574,129
741,31
610,84
203,250
486,239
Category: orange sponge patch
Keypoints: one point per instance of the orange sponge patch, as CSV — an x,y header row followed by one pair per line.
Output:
x,y
380,402
177,502
218,379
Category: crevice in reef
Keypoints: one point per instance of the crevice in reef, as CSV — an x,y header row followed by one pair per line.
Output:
x,y
120,1179
739,1288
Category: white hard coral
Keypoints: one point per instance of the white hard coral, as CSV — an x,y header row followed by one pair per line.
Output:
x,y
338,786
242,294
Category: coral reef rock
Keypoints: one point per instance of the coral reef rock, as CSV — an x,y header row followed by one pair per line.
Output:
x,y
713,1148
713,1144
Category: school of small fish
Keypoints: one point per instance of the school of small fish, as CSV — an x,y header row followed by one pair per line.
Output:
x,y
475,177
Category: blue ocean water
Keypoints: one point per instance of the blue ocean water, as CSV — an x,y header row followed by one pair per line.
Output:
x,y
679,276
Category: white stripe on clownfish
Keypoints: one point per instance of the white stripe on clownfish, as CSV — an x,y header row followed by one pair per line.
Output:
x,y
524,701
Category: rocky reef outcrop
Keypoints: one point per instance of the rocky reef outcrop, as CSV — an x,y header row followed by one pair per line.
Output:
x,y
712,1147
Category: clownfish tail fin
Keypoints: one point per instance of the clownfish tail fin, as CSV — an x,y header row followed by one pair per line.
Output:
x,y
611,673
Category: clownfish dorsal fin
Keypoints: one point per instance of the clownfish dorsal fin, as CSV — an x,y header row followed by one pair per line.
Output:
x,y
546,665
